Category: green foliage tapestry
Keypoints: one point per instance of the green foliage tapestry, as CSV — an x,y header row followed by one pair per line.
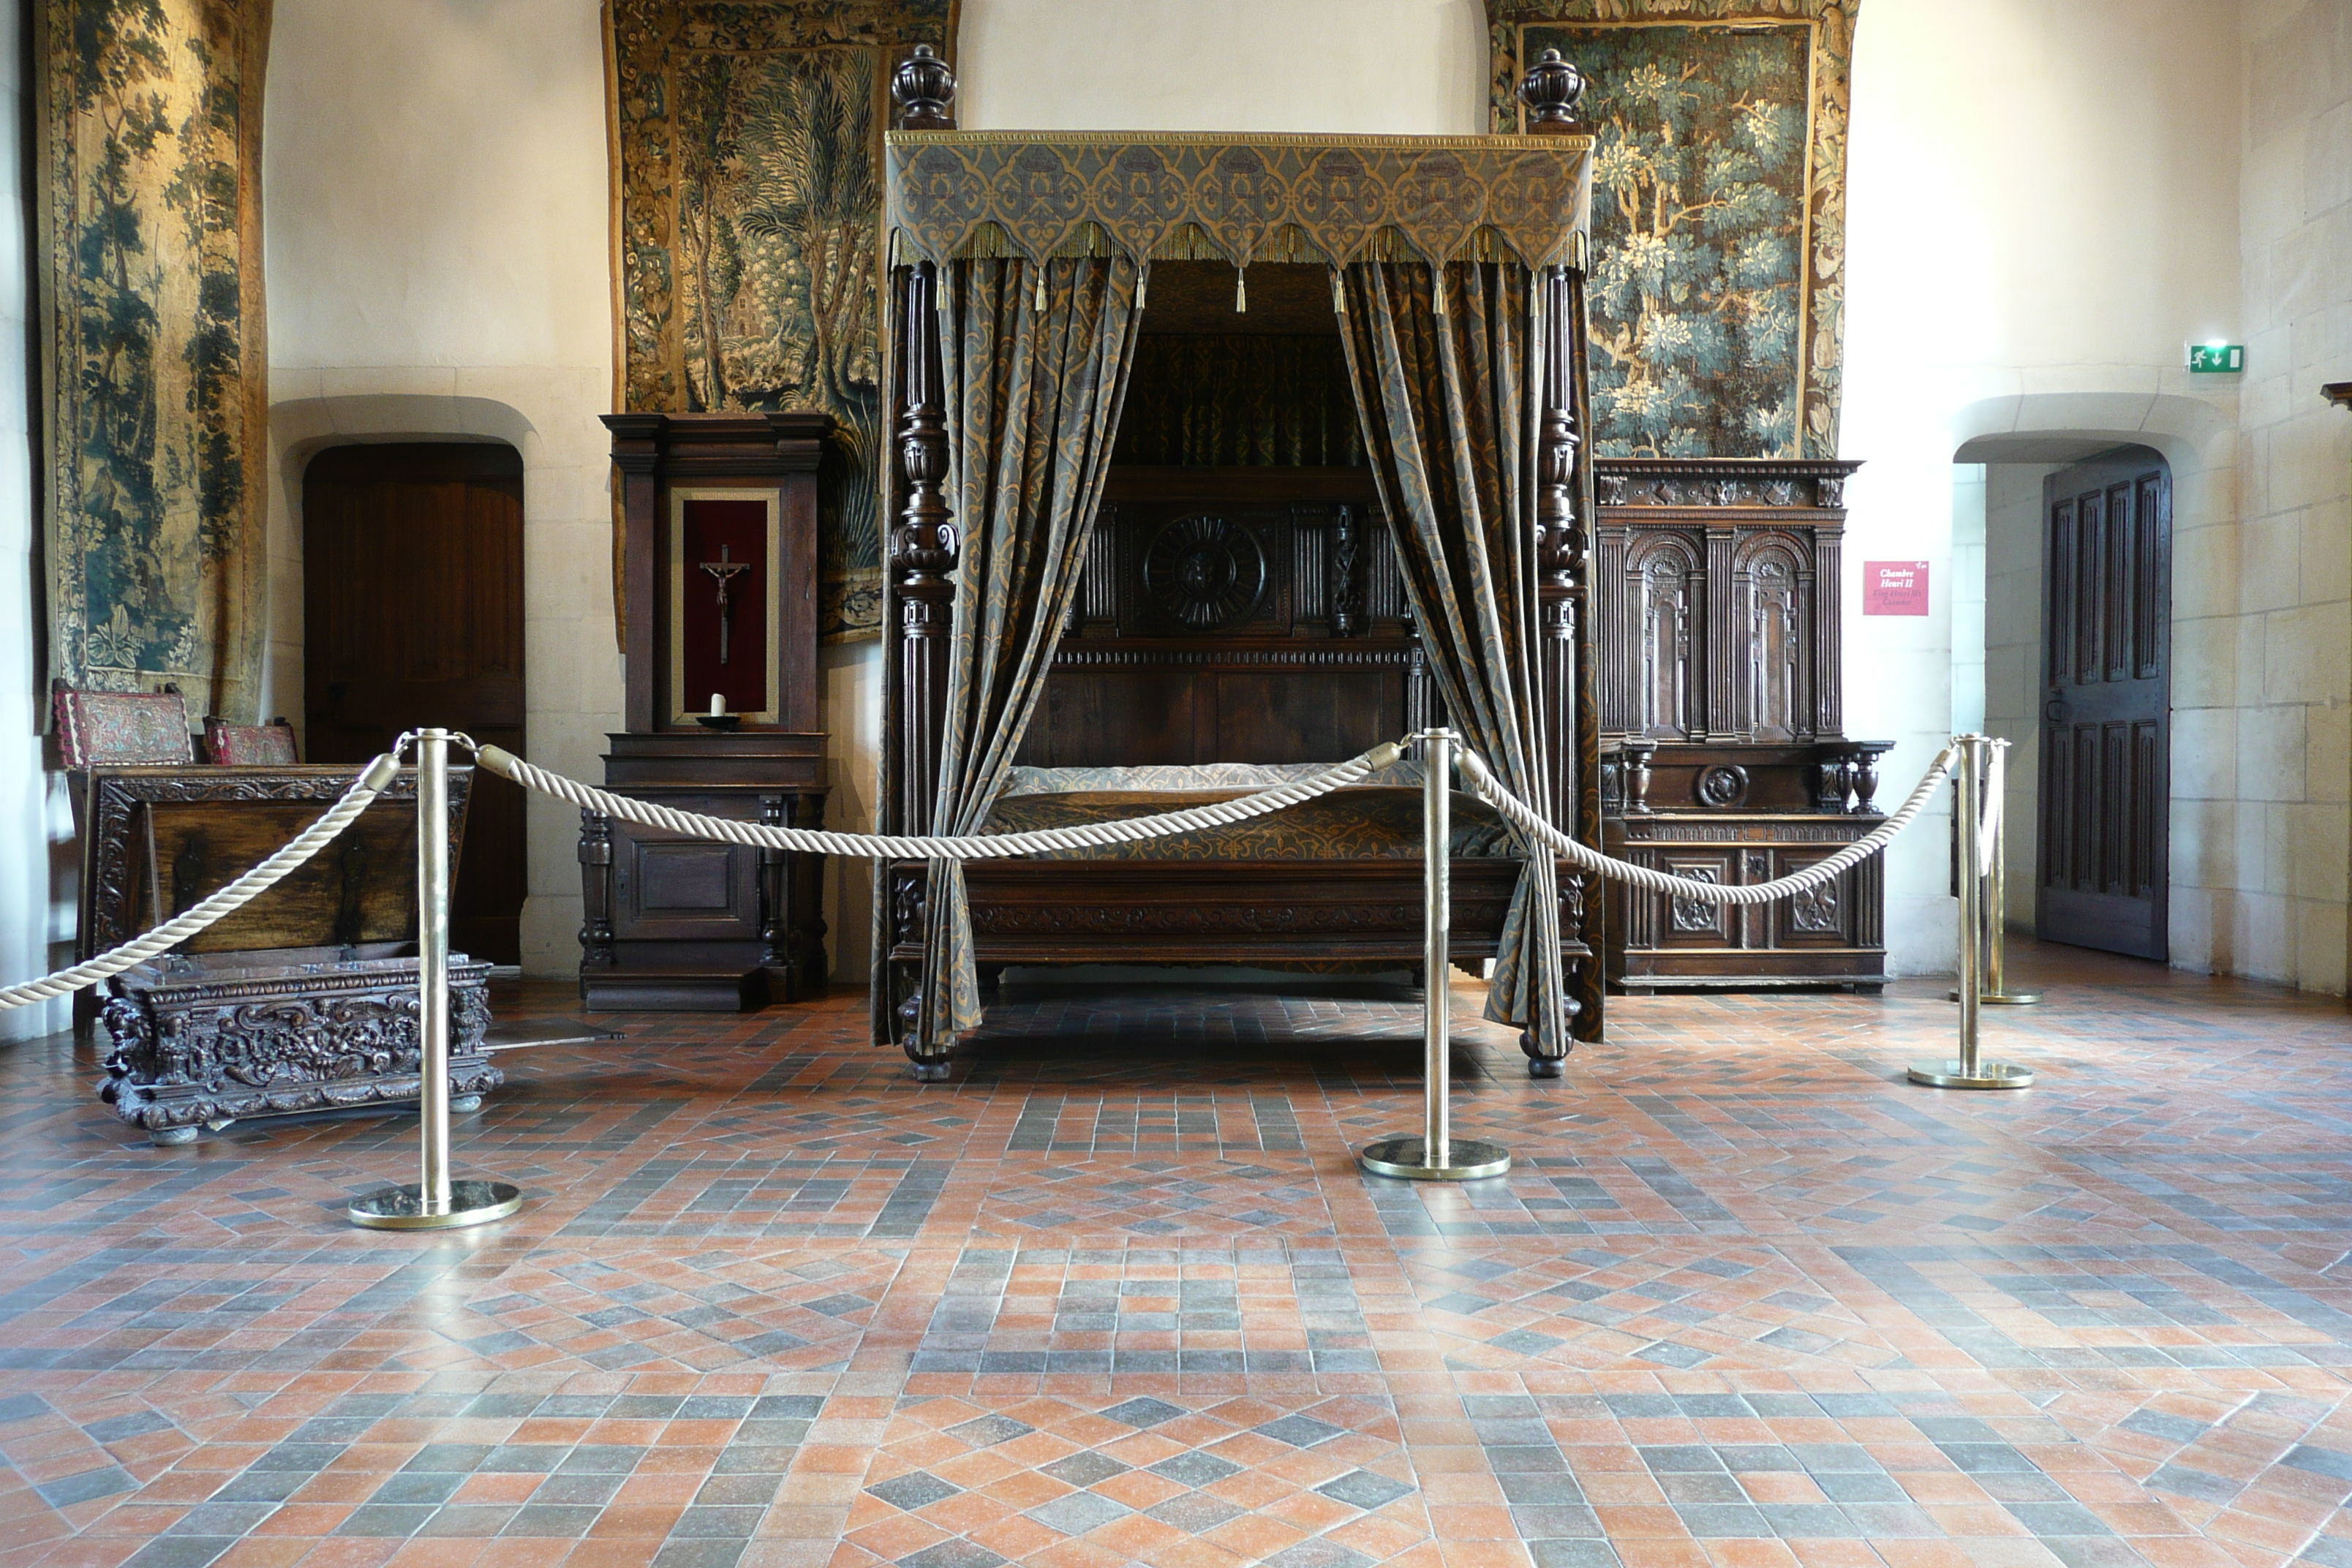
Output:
x,y
1716,281
750,136
150,120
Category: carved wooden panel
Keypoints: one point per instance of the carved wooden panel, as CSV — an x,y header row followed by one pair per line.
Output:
x,y
1666,626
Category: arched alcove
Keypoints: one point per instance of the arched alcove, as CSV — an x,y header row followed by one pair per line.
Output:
x,y
2023,441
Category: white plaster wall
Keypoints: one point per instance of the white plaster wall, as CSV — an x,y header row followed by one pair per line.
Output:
x,y
2038,218
1399,67
436,207
2275,656
36,907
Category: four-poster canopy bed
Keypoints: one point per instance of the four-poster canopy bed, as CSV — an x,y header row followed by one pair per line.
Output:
x,y
1330,515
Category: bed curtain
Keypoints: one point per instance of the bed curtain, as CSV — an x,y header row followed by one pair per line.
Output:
x,y
1444,360
1033,381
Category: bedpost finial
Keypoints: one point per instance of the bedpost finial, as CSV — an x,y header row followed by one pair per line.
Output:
x,y
1550,90
924,87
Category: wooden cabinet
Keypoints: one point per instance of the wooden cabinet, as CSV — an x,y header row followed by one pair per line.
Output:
x,y
718,581
1724,752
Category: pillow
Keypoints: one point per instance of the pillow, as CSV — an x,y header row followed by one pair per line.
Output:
x,y
1179,777
270,745
128,727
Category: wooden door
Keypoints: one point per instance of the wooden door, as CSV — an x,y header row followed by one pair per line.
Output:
x,y
2105,721
412,597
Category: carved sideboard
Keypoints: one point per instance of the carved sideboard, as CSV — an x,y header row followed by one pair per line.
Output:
x,y
1724,752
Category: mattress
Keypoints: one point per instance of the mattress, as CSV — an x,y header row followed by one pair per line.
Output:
x,y
1359,822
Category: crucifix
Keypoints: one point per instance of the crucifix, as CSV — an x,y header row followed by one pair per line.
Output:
x,y
724,570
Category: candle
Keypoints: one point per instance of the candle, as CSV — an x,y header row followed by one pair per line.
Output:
x,y
718,705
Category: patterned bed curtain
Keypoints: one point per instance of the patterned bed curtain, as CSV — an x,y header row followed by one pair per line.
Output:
x,y
1034,388
1444,364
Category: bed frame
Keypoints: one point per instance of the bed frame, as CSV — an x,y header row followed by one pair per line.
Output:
x,y
1315,661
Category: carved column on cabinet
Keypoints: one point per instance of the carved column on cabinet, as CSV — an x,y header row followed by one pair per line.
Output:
x,y
775,899
923,555
1347,589
805,927
596,890
1726,670
636,453
1829,652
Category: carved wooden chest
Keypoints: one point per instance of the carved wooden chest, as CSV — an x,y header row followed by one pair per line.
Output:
x,y
201,1041
303,1000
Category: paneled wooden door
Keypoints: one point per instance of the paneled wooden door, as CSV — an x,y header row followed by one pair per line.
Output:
x,y
2107,704
412,597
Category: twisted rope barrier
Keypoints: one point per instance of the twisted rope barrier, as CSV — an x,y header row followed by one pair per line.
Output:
x,y
373,780
975,847
1477,779
1485,787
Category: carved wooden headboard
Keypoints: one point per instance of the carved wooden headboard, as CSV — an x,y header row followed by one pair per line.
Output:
x,y
1232,614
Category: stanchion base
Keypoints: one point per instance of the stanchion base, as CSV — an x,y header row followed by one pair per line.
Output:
x,y
1467,1160
2001,998
405,1209
1989,1073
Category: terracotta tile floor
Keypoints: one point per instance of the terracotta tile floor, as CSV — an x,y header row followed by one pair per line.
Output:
x,y
1116,1295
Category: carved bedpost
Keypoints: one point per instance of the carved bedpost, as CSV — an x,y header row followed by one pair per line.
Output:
x,y
924,89
924,549
1550,90
1548,94
1559,550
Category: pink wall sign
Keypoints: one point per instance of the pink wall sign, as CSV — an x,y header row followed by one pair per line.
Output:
x,y
1894,587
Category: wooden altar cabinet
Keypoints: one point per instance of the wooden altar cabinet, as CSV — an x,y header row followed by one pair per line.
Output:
x,y
719,574
1724,752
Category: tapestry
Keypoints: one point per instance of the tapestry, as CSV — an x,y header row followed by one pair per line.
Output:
x,y
748,216
1717,289
157,397
1238,198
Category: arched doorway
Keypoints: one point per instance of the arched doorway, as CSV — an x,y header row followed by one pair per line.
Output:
x,y
413,611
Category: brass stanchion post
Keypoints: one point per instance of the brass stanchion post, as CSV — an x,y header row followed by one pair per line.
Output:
x,y
1436,1155
436,1202
1967,1071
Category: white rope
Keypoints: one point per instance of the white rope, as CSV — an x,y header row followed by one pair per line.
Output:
x,y
373,780
977,846
1481,782
1485,787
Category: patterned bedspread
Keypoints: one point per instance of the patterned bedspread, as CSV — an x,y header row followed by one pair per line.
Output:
x,y
1358,824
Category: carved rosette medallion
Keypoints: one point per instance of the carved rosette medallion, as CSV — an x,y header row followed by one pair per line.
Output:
x,y
1204,574
1725,783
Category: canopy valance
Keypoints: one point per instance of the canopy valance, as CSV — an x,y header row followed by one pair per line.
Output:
x,y
1242,198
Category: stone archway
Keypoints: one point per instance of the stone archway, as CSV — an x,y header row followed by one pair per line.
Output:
x,y
2029,434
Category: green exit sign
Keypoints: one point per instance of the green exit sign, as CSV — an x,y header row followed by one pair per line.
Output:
x,y
2216,359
